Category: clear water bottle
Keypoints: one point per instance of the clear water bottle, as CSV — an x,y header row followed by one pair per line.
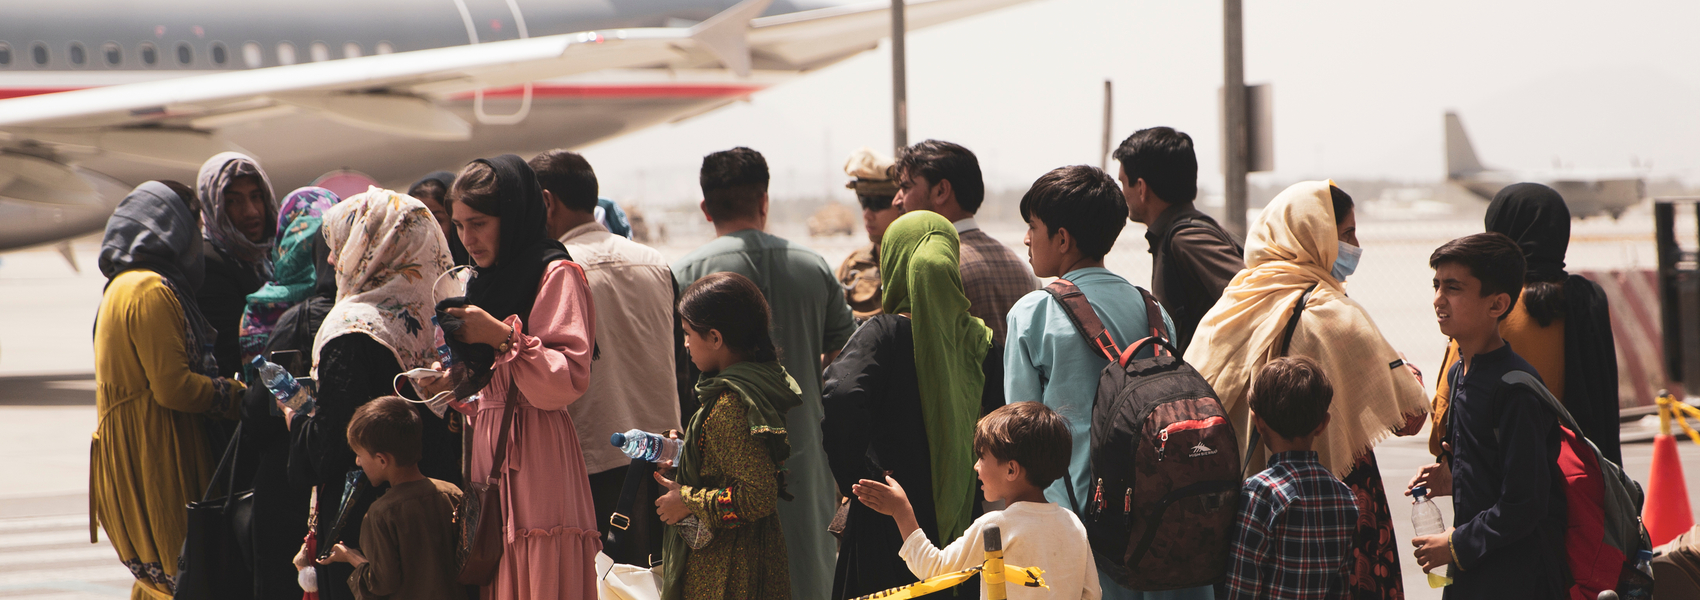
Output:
x,y
1638,584
445,355
283,386
644,445
1426,520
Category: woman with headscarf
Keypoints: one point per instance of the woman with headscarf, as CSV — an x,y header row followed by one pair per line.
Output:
x,y
433,190
388,253
156,381
902,400
1306,239
293,273
529,308
241,212
1561,324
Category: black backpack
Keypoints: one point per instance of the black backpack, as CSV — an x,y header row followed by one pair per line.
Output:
x,y
1165,463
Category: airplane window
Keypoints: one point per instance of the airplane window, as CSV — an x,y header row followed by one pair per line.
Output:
x,y
78,55
185,54
150,55
5,55
385,48
252,55
40,52
218,54
114,54
351,50
319,52
285,53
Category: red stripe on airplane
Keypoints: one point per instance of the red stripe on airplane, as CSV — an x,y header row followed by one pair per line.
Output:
x,y
548,91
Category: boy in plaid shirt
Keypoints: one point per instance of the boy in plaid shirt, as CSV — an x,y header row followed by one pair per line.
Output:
x,y
1294,535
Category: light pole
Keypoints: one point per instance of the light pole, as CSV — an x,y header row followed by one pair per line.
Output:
x,y
1234,117
899,80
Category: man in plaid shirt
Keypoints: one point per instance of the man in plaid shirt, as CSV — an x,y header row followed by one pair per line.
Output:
x,y
1294,535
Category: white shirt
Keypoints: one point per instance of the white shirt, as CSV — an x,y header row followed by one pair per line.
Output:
x,y
967,224
1035,534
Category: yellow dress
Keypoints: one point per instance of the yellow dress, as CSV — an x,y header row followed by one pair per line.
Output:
x,y
149,457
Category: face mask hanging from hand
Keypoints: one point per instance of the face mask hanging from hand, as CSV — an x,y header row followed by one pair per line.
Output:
x,y
1347,261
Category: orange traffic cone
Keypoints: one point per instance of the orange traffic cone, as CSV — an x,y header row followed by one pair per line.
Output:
x,y
1666,513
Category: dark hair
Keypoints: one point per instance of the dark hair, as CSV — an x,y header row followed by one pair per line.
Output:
x,y
733,183
1291,394
387,424
1081,199
476,186
943,161
875,202
732,304
1342,203
1029,433
187,195
1544,300
1164,158
568,176
1492,258
429,189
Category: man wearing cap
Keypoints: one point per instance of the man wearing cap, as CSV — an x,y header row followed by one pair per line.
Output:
x,y
860,272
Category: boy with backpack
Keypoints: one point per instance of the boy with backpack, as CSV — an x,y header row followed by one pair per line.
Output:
x,y
1504,439
1074,215
1293,539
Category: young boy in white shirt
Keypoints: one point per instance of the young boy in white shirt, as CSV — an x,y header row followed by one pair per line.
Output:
x,y
1023,447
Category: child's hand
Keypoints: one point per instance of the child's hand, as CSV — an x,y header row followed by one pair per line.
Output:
x,y
344,554
670,506
884,499
1437,477
1433,551
301,560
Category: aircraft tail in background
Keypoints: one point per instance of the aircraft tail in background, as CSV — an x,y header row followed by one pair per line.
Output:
x,y
1460,154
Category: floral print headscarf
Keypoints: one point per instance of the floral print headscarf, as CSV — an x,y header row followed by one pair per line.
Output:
x,y
389,253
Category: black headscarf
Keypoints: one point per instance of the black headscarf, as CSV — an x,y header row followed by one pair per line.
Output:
x,y
1536,217
510,286
153,229
447,179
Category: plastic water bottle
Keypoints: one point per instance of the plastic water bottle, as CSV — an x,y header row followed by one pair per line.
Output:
x,y
641,444
1426,520
445,355
283,386
1638,584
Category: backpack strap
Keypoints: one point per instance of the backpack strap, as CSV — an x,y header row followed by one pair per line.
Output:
x,y
1085,319
1286,348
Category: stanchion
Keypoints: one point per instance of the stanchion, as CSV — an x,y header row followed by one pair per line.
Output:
x,y
993,575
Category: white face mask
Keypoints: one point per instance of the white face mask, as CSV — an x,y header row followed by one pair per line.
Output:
x,y
1347,261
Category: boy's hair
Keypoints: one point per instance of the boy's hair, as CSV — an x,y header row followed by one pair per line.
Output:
x,y
733,182
568,176
1292,395
943,161
389,425
1492,258
732,304
1164,158
1085,201
1029,433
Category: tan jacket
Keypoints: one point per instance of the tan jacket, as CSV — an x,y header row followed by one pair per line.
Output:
x,y
631,384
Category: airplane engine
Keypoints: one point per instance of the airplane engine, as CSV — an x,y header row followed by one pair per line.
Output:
x,y
44,201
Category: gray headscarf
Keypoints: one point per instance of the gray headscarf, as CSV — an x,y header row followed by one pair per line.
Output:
x,y
216,174
153,229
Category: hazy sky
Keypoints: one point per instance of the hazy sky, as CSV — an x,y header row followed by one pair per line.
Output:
x,y
1360,88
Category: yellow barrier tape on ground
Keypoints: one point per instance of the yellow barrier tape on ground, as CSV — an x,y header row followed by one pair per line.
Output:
x,y
1027,576
1669,409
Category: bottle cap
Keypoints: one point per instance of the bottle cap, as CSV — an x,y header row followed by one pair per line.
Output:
x,y
1419,492
618,439
259,361
1644,556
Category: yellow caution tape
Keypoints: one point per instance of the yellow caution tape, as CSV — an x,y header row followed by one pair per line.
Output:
x,y
1670,408
1027,576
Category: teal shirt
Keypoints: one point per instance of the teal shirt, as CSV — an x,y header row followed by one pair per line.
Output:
x,y
810,318
1046,359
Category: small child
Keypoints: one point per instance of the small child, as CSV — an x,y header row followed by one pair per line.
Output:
x,y
1023,447
730,472
409,533
1294,535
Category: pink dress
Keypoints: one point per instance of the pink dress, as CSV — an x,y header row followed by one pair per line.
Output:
x,y
552,538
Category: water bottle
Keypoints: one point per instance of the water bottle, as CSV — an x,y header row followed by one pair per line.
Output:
x,y
283,385
644,445
1638,583
445,354
1426,520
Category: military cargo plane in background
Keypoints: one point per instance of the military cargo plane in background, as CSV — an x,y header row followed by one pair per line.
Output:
x,y
97,96
1585,194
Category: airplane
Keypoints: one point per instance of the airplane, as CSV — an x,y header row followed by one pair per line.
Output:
x,y
97,96
1585,195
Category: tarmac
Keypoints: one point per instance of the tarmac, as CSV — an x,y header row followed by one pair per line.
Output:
x,y
47,387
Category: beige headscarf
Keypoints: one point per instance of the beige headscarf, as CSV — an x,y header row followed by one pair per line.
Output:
x,y
1293,245
388,251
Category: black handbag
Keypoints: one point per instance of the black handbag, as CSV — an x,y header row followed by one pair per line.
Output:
x,y
215,561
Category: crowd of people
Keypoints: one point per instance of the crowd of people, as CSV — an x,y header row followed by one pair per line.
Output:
x,y
842,431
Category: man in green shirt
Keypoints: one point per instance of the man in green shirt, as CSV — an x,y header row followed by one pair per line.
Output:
x,y
811,323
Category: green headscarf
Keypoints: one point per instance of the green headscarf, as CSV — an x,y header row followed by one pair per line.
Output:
x,y
919,267
768,393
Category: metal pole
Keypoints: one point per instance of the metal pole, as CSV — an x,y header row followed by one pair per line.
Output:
x,y
1234,116
899,79
1104,156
